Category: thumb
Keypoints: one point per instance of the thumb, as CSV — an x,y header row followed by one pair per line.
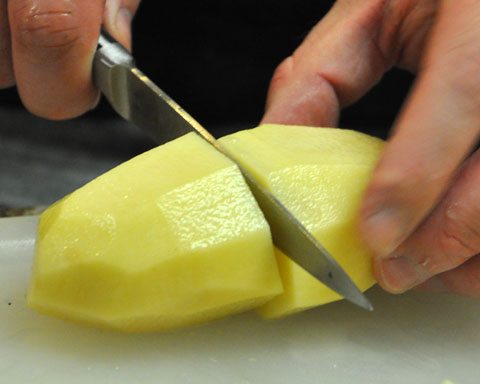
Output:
x,y
118,19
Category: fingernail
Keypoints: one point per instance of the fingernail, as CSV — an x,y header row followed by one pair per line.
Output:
x,y
124,23
120,21
384,230
398,274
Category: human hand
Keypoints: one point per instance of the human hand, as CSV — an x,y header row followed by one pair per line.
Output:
x,y
421,212
47,49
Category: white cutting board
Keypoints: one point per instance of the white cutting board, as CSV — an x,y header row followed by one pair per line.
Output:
x,y
409,339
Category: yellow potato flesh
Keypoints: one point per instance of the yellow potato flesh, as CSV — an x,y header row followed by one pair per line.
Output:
x,y
170,238
174,237
319,174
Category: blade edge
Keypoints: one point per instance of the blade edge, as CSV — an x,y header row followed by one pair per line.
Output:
x,y
150,108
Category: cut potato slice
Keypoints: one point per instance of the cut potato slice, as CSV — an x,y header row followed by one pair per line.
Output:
x,y
170,238
319,174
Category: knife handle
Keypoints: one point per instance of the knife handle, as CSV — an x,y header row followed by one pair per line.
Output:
x,y
110,64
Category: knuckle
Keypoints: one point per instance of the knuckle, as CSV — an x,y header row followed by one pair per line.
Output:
x,y
471,278
33,28
464,280
463,66
401,180
469,285
282,71
460,235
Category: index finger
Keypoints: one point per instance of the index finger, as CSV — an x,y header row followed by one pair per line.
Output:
x,y
339,61
53,42
53,45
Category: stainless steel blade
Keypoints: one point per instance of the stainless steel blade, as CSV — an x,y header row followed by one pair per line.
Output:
x,y
140,101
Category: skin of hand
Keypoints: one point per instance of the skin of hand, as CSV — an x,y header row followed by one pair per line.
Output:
x,y
47,49
421,211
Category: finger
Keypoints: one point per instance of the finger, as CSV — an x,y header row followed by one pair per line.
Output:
x,y
53,42
463,280
448,238
343,57
6,70
118,19
336,64
435,132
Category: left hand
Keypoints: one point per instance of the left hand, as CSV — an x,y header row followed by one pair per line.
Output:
x,y
421,213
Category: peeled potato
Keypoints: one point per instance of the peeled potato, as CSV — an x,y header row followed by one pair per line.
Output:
x,y
170,238
174,237
319,174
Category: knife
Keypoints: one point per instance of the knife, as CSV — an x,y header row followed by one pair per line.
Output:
x,y
137,99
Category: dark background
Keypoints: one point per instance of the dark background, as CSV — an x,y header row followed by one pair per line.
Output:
x,y
214,58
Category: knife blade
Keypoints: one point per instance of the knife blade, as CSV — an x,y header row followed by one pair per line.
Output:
x,y
137,99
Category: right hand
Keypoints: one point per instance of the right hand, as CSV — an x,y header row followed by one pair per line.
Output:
x,y
47,49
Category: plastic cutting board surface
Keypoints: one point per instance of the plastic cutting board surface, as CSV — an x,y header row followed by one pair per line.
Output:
x,y
409,339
